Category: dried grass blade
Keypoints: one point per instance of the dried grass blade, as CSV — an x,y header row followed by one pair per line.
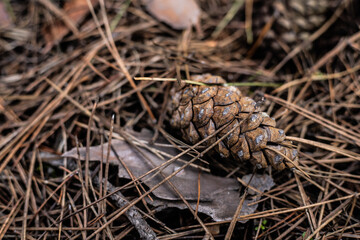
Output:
x,y
330,148
317,118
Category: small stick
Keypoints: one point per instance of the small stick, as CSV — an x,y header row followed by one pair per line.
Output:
x,y
132,214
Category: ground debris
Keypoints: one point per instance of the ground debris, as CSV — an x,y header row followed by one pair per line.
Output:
x,y
74,12
63,93
219,196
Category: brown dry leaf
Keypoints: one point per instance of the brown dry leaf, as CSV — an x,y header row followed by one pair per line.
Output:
x,y
5,20
224,202
219,196
178,14
75,11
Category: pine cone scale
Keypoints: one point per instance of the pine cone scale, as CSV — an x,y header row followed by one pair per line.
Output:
x,y
208,130
225,114
256,139
203,113
241,149
205,93
233,137
227,96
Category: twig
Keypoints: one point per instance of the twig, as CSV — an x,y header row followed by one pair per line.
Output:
x,y
132,214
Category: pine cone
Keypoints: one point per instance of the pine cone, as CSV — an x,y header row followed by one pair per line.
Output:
x,y
198,111
295,20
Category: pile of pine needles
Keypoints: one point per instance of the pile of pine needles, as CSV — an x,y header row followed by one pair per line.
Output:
x,y
79,90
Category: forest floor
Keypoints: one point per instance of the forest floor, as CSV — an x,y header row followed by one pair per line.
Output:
x,y
69,79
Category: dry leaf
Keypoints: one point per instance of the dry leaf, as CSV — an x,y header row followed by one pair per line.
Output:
x,y
224,202
178,14
219,196
76,10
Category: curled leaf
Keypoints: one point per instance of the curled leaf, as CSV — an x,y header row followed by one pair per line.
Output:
x,y
219,196
178,14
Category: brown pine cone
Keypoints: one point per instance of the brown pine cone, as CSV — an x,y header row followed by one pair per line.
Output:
x,y
295,20
198,111
299,18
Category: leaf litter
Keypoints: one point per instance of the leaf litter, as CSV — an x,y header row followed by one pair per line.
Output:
x,y
73,12
219,196
51,115
178,15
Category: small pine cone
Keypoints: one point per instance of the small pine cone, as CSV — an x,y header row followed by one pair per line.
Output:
x,y
295,20
198,111
299,18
